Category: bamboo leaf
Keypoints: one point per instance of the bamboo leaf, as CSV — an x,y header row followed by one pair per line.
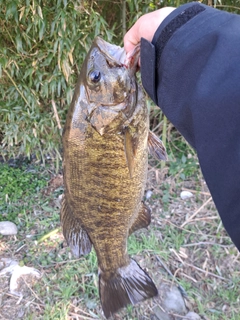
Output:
x,y
11,9
22,10
19,43
66,69
70,56
41,29
42,42
39,10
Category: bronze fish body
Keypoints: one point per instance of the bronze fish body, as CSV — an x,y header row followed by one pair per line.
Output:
x,y
105,141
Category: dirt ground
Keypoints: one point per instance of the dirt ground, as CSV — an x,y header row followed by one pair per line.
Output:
x,y
185,246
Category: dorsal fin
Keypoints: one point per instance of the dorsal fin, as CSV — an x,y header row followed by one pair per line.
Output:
x,y
156,147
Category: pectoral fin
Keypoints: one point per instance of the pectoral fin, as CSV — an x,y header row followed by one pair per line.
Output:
x,y
131,144
76,237
143,219
156,147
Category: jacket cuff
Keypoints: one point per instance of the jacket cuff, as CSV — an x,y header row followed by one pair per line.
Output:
x,y
151,52
148,68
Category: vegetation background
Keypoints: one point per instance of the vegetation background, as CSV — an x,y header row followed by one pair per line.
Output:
x,y
42,46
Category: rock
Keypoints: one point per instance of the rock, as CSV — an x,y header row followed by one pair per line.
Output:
x,y
172,299
161,315
23,278
8,228
148,194
192,316
7,266
58,201
186,195
91,304
171,302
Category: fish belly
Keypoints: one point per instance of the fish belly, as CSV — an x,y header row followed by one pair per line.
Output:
x,y
102,194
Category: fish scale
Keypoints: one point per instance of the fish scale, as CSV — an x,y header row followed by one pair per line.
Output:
x,y
105,144
98,191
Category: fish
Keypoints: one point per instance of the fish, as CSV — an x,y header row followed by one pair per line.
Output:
x,y
106,141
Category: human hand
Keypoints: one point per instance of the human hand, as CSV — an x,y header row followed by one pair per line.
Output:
x,y
145,27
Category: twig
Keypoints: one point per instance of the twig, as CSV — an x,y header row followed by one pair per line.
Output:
x,y
226,6
56,114
16,297
188,277
173,314
124,29
164,266
20,248
195,191
204,218
191,232
15,85
177,255
164,137
179,316
204,271
48,235
79,309
208,243
80,316
60,263
35,295
196,212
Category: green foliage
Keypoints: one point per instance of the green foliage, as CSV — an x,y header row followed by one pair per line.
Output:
x,y
184,167
17,187
42,46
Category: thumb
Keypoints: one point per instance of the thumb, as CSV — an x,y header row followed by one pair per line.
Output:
x,y
131,38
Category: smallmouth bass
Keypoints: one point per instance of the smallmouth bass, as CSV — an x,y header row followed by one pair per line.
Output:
x,y
105,149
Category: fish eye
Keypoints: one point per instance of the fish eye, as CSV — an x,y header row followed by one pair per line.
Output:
x,y
95,76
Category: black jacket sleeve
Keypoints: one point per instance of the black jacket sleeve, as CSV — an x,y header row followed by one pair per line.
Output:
x,y
192,72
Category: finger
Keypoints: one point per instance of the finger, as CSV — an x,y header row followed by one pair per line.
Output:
x,y
131,38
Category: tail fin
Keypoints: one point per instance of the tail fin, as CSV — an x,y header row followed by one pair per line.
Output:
x,y
129,285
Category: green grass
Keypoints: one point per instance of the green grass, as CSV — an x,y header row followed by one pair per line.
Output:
x,y
18,189
70,286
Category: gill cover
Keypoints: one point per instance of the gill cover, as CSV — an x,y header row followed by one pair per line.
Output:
x,y
110,86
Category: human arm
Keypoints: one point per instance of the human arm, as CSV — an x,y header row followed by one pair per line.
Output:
x,y
191,69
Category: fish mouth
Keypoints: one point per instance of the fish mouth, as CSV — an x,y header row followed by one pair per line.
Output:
x,y
118,56
115,53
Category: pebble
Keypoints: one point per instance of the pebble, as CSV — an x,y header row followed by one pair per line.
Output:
x,y
171,301
7,266
148,194
58,201
8,228
186,195
192,316
17,284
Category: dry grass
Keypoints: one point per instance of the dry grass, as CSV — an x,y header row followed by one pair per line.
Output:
x,y
185,245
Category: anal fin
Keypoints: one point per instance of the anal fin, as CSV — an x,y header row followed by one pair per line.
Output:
x,y
76,237
156,147
143,219
129,285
